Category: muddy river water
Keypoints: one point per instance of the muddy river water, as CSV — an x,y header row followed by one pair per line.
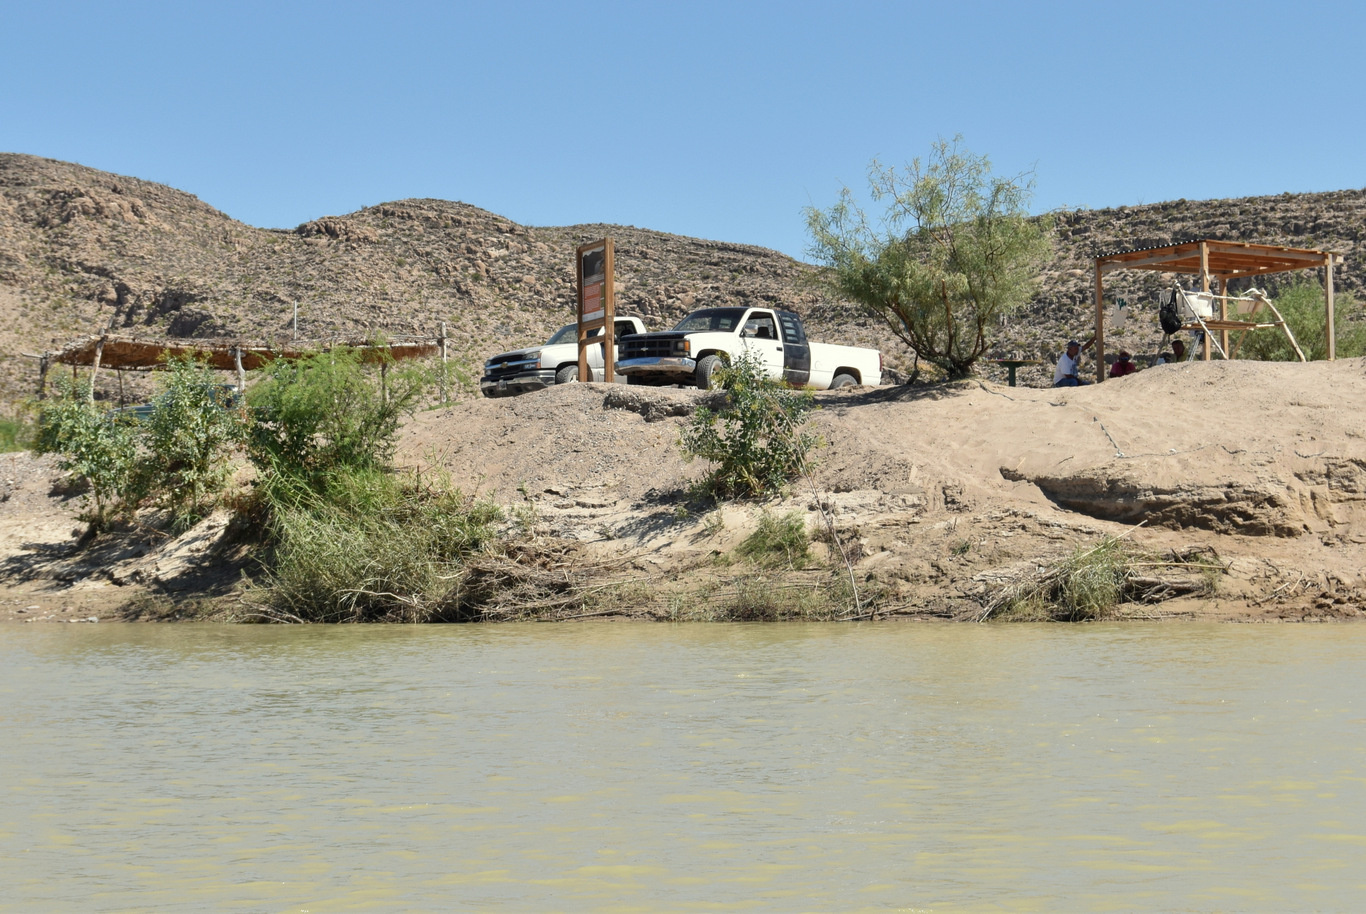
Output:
x,y
645,767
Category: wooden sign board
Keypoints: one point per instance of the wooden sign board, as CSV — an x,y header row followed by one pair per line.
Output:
x,y
596,306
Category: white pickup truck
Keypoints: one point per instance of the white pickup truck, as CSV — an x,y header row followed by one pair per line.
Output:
x,y
711,337
557,362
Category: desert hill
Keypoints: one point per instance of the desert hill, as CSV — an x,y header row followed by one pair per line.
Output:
x,y
83,250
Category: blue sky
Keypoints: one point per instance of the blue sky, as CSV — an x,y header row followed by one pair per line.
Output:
x,y
720,120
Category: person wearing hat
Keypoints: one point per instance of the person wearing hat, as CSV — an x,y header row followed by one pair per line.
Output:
x,y
1123,365
1066,374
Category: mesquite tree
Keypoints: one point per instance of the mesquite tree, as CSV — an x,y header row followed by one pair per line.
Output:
x,y
954,251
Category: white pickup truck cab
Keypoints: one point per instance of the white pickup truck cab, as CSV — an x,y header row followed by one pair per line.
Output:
x,y
555,362
711,337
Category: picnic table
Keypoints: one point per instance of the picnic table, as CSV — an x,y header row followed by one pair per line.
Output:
x,y
1012,364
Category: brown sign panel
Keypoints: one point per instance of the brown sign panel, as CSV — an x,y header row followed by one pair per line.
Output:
x,y
596,306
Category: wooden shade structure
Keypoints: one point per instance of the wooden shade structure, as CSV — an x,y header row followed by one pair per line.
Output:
x,y
125,353
131,353
1215,261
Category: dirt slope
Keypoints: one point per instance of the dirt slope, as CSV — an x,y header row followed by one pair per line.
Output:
x,y
940,494
942,489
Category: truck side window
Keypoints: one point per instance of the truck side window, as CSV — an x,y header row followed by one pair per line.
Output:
x,y
792,332
760,327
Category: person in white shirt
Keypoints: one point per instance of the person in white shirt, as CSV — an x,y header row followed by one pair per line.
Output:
x,y
1066,374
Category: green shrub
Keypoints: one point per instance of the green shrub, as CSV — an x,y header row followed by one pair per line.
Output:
x,y
778,540
91,443
758,440
1302,306
329,412
372,547
187,437
16,434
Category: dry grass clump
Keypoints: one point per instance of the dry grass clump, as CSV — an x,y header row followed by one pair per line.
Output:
x,y
779,540
1093,583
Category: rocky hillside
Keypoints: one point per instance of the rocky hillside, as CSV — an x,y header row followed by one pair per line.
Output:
x,y
82,250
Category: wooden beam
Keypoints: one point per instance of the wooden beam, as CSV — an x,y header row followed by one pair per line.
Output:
x,y
1330,332
1100,325
1204,287
1223,314
95,370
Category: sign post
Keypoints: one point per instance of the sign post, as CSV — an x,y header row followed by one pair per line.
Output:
x,y
597,306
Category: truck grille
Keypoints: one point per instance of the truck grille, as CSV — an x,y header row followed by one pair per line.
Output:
x,y
648,346
508,365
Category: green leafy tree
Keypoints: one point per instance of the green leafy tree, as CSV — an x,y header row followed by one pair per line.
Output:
x,y
194,423
314,416
759,439
1302,306
954,251
91,443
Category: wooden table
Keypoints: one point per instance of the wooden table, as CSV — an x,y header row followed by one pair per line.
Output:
x,y
1012,364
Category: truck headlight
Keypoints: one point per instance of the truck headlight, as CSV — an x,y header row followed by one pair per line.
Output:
x,y
683,347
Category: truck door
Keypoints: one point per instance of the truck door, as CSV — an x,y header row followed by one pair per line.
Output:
x,y
796,350
760,337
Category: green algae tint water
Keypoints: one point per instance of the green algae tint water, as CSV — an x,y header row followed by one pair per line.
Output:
x,y
682,768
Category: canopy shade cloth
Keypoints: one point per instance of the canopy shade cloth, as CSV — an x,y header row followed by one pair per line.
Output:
x,y
132,353
1230,259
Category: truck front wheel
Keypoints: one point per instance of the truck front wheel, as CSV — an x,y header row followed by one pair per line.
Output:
x,y
706,371
567,375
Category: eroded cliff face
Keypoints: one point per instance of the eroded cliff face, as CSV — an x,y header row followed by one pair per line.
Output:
x,y
83,250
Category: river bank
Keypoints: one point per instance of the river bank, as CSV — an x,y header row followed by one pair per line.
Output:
x,y
939,497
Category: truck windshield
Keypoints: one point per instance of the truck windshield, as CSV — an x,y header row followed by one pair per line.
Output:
x,y
570,334
714,320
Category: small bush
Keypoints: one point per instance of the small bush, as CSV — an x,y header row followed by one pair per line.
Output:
x,y
373,547
16,434
759,440
1302,306
779,540
187,438
330,413
91,443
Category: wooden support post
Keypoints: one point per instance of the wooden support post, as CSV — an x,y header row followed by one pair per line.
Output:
x,y
442,340
241,372
44,361
1100,325
384,383
1223,313
1204,287
95,370
1329,331
119,372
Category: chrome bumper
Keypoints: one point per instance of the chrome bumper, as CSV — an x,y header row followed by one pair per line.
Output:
x,y
657,365
521,383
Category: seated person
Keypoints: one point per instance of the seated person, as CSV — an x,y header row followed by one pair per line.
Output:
x,y
1066,375
1123,365
1178,353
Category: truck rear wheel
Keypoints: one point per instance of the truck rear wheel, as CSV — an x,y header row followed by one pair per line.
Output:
x,y
843,380
706,371
567,375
